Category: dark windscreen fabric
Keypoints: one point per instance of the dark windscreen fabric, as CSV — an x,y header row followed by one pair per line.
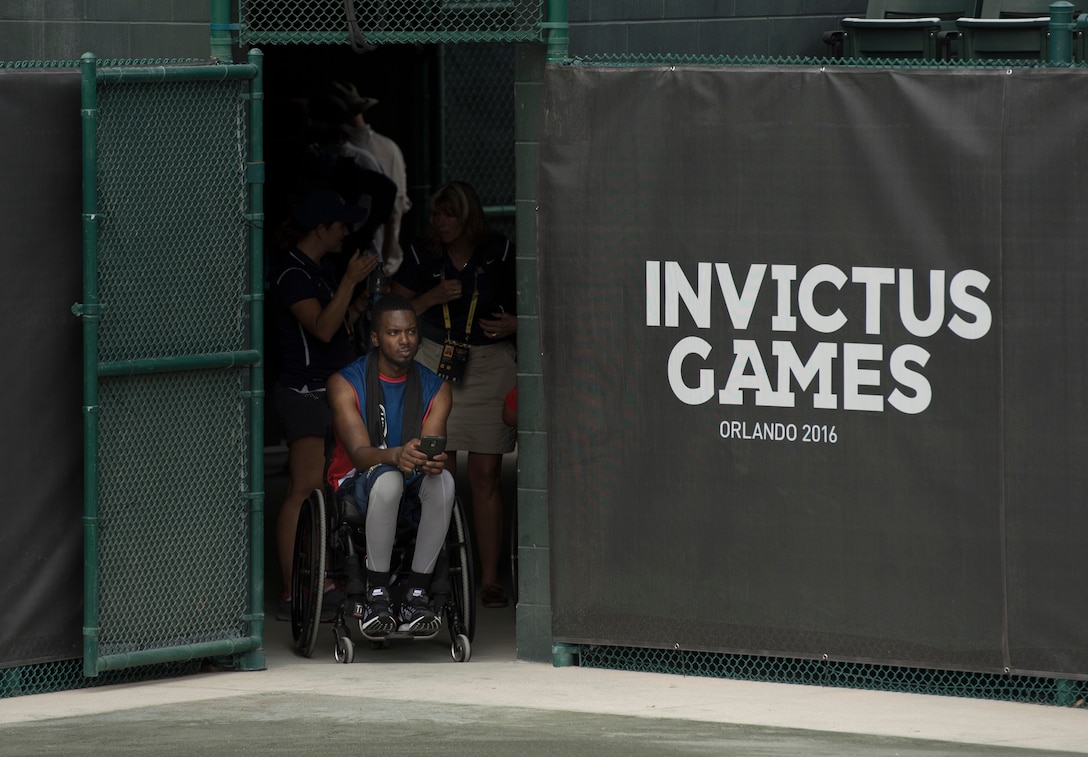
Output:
x,y
41,540
1045,333
799,328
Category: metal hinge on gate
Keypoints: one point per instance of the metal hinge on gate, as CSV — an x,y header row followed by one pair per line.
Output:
x,y
79,310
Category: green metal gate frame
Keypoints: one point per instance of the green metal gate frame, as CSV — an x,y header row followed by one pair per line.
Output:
x,y
168,536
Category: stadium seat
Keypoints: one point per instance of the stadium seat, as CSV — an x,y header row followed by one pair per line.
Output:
x,y
900,29
1013,30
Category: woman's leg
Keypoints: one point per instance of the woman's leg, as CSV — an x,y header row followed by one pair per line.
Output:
x,y
484,473
305,467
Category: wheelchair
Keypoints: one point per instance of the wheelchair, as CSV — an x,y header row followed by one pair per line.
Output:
x,y
330,544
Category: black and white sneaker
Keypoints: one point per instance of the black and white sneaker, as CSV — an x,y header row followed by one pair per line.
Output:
x,y
416,616
375,619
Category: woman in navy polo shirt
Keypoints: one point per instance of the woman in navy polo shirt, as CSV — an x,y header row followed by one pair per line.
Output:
x,y
312,311
461,282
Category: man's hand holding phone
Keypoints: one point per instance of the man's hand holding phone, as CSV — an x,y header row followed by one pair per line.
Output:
x,y
432,450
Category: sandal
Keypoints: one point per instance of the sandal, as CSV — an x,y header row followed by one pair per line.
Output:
x,y
492,595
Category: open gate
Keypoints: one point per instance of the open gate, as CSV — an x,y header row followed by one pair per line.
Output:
x,y
172,330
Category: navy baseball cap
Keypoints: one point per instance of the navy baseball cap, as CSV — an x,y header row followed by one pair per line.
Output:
x,y
326,206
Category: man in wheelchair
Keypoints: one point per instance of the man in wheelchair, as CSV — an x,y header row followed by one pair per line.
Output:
x,y
382,404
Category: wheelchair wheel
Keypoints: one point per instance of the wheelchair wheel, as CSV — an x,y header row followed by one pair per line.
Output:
x,y
461,648
308,573
344,651
462,572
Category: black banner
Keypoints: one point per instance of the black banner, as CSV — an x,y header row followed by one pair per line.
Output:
x,y
813,363
41,465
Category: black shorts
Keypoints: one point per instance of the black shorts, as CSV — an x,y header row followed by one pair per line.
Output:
x,y
302,413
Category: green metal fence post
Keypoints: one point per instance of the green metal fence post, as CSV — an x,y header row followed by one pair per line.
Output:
x,y
89,311
1061,32
221,28
534,609
564,655
254,660
558,31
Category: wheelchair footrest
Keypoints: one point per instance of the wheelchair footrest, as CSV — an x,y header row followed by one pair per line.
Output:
x,y
396,633
406,635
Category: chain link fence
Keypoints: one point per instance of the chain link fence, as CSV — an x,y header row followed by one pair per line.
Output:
x,y
846,675
102,63
639,60
389,21
173,269
478,125
65,675
162,212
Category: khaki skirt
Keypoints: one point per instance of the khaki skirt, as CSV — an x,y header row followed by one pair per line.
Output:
x,y
475,423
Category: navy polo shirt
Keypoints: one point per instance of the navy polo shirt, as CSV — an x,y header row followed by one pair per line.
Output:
x,y
491,269
305,361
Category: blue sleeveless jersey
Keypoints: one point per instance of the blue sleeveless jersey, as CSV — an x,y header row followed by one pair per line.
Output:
x,y
393,392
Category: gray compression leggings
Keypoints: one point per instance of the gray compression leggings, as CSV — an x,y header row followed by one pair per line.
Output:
x,y
436,497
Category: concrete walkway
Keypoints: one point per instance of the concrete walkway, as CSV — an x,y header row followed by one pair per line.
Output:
x,y
412,699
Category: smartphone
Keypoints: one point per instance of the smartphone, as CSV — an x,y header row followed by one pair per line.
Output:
x,y
432,445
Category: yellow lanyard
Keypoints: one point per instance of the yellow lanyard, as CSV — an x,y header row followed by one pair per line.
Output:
x,y
471,309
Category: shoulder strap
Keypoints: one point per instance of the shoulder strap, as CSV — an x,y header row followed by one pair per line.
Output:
x,y
376,424
411,424
412,415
